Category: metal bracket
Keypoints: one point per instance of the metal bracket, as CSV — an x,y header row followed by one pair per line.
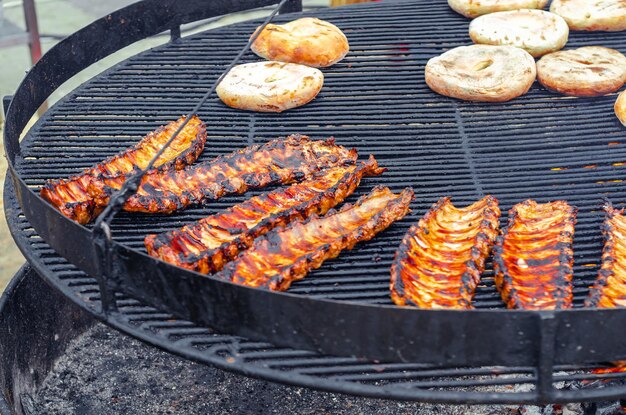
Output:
x,y
106,278
175,33
545,362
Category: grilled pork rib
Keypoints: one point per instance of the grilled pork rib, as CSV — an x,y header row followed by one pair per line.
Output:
x,y
533,257
71,196
205,246
282,256
609,290
278,161
439,261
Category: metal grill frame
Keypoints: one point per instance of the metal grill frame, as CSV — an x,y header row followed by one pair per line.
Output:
x,y
349,375
452,338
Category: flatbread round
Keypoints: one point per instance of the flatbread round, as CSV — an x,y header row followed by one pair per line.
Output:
x,y
307,41
536,31
270,86
475,8
608,15
620,107
481,73
584,72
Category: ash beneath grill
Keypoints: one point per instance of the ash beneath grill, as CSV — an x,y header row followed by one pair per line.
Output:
x,y
105,372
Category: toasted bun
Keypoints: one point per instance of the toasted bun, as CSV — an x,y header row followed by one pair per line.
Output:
x,y
481,73
620,107
608,15
536,31
307,41
270,86
584,72
475,8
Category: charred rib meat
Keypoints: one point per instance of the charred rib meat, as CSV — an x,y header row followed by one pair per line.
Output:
x,y
609,290
439,261
282,256
533,258
278,161
205,246
71,196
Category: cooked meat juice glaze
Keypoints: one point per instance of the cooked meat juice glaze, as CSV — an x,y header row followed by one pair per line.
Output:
x,y
206,245
71,196
282,256
279,161
440,259
533,257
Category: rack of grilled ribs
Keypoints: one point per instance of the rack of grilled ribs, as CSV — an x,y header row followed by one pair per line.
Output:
x,y
441,258
206,245
533,257
285,255
609,291
279,161
71,196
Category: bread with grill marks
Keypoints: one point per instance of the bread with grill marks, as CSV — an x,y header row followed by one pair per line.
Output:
x,y
307,41
536,31
270,86
481,73
584,72
475,8
604,15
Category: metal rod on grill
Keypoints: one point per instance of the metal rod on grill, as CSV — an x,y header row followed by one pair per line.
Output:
x,y
102,231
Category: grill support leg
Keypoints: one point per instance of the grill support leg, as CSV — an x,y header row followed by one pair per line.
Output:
x,y
32,27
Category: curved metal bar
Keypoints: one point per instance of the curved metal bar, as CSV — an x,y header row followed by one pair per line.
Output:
x,y
289,377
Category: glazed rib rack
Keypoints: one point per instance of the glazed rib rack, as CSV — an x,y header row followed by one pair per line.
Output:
x,y
540,146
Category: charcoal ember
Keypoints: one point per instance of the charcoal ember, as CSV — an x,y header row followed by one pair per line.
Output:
x,y
603,408
572,409
533,410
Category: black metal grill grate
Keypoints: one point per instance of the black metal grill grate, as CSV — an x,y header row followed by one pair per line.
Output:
x,y
541,145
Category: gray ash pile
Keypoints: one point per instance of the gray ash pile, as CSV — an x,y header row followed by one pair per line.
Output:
x,y
104,372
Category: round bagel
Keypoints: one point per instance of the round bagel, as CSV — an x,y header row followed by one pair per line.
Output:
x,y
473,8
584,72
536,31
481,73
607,15
620,107
270,86
307,41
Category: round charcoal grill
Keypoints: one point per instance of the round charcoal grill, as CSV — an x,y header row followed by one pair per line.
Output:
x,y
542,146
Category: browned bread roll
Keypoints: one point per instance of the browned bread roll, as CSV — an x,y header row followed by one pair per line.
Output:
x,y
620,107
584,72
475,8
308,41
270,86
481,73
607,15
536,31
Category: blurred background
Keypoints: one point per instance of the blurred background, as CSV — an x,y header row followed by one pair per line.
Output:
x,y
54,20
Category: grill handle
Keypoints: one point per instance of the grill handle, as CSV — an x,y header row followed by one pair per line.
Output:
x,y
102,231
